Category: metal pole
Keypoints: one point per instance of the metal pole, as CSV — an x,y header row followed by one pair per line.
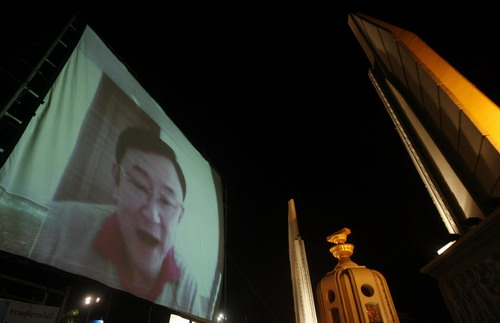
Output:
x,y
88,313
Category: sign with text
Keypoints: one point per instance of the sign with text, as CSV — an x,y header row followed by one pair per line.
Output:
x,y
21,312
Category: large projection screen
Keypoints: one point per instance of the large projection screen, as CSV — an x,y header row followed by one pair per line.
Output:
x,y
147,219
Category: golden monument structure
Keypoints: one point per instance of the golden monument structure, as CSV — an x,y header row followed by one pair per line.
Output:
x,y
352,293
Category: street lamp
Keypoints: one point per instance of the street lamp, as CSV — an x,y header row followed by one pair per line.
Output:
x,y
89,302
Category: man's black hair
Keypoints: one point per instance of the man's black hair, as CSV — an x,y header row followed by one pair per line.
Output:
x,y
147,141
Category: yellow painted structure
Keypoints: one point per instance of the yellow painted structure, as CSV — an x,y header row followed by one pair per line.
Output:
x,y
449,127
484,114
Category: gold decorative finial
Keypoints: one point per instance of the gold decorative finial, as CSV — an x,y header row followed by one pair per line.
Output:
x,y
342,251
339,236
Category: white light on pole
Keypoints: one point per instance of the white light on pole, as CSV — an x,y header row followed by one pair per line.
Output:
x,y
89,302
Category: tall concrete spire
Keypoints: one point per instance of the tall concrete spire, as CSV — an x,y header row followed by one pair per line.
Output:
x,y
305,311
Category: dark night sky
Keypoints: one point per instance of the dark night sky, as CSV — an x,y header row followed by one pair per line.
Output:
x,y
277,98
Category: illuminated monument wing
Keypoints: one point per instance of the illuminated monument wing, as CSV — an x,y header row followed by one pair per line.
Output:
x,y
451,131
450,128
302,291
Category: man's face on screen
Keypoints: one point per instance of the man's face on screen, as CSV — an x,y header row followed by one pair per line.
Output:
x,y
148,196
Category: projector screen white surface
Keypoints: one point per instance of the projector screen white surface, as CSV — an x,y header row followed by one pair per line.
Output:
x,y
62,189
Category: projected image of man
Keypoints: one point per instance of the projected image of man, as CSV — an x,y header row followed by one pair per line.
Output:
x,y
133,247
150,188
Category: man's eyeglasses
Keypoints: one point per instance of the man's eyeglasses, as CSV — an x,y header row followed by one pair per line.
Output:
x,y
166,201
